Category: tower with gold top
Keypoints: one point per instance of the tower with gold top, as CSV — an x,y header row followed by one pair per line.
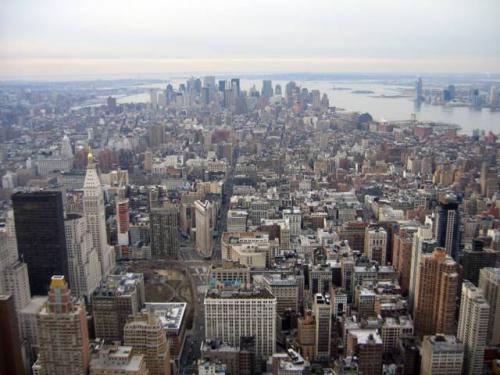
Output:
x,y
63,338
93,208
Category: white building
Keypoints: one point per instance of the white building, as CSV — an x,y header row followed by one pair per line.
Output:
x,y
232,314
473,327
93,208
84,268
489,282
294,217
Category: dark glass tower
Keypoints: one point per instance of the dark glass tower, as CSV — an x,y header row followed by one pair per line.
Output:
x,y
448,225
41,239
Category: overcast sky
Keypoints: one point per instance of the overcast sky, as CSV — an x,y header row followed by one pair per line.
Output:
x,y
66,37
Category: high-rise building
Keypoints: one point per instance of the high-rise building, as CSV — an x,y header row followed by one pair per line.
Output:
x,y
93,208
231,314
493,96
14,278
489,283
41,239
118,297
488,179
419,92
204,227
267,88
476,258
306,335
235,85
63,339
447,225
145,334
434,309
423,243
84,268
164,226
323,316
122,221
66,149
376,244
442,355
11,361
473,327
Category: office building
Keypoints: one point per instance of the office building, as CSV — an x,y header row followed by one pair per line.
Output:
x,y
63,340
393,329
284,287
122,222
267,88
306,335
489,283
409,349
164,227
323,316
41,239
239,359
434,309
11,360
231,314
477,258
376,244
145,334
419,92
204,227
117,360
367,346
84,268
294,217
228,272
442,355
116,298
473,327
447,225
93,208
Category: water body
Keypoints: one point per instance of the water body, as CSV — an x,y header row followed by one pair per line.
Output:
x,y
381,108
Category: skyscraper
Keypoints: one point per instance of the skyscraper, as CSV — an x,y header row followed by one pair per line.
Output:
x,y
14,278
235,85
93,208
84,268
204,227
473,327
434,309
323,316
489,283
164,226
447,225
64,347
41,239
267,88
145,334
11,361
419,93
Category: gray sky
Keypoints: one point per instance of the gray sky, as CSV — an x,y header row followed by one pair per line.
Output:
x,y
67,37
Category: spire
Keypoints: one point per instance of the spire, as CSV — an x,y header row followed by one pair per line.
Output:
x,y
90,158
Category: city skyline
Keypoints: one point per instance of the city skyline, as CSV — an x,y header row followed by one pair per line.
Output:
x,y
91,38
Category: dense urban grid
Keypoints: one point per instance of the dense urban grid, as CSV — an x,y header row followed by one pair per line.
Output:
x,y
217,230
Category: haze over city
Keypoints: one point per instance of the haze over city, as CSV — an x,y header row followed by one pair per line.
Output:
x,y
65,38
